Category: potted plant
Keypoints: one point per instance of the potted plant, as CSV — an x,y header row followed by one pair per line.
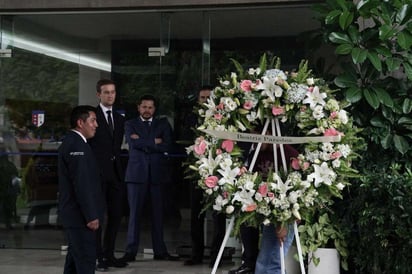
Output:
x,y
321,235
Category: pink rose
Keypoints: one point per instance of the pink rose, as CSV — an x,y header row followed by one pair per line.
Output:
x,y
295,164
200,148
263,189
333,115
336,155
248,105
211,181
228,145
220,106
331,132
245,85
218,116
277,111
271,195
250,208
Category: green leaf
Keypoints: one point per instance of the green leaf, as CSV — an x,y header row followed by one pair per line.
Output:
x,y
359,55
407,106
378,122
371,98
353,94
408,70
238,67
331,17
263,62
339,38
393,63
401,143
354,34
375,60
383,51
387,140
345,19
384,97
405,121
346,81
402,13
344,49
405,40
386,32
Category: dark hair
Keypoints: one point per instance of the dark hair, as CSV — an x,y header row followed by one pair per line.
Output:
x,y
103,82
206,87
80,112
147,97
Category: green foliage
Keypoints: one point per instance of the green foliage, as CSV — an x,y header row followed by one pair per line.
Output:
x,y
373,41
381,218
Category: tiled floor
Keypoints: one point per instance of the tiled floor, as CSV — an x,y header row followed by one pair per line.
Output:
x,y
37,250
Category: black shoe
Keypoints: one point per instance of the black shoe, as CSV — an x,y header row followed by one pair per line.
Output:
x,y
193,262
102,266
113,262
243,269
166,257
127,257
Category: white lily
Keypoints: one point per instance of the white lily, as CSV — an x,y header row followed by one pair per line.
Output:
x,y
315,98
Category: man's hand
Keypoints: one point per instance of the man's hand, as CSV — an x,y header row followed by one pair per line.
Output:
x,y
158,141
93,225
134,136
281,233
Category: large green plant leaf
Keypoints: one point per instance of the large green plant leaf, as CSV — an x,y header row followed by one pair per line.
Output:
x,y
353,94
332,16
393,63
346,81
405,39
345,19
408,70
402,16
384,97
401,143
386,32
339,38
407,106
405,121
344,49
387,140
375,60
378,122
359,55
371,97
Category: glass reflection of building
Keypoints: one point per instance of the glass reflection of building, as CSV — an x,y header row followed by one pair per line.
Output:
x,y
51,60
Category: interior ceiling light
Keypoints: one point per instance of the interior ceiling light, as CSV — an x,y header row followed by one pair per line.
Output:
x,y
55,52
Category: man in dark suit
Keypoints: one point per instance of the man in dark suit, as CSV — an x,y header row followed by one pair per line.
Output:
x,y
106,146
80,195
149,140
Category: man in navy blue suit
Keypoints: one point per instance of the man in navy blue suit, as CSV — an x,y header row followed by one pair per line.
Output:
x,y
80,195
106,146
149,140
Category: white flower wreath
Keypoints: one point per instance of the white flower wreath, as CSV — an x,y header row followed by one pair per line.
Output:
x,y
308,108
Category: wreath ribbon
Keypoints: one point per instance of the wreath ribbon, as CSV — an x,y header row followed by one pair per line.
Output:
x,y
258,138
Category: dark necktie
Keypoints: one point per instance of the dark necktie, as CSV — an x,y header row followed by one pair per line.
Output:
x,y
110,120
147,125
